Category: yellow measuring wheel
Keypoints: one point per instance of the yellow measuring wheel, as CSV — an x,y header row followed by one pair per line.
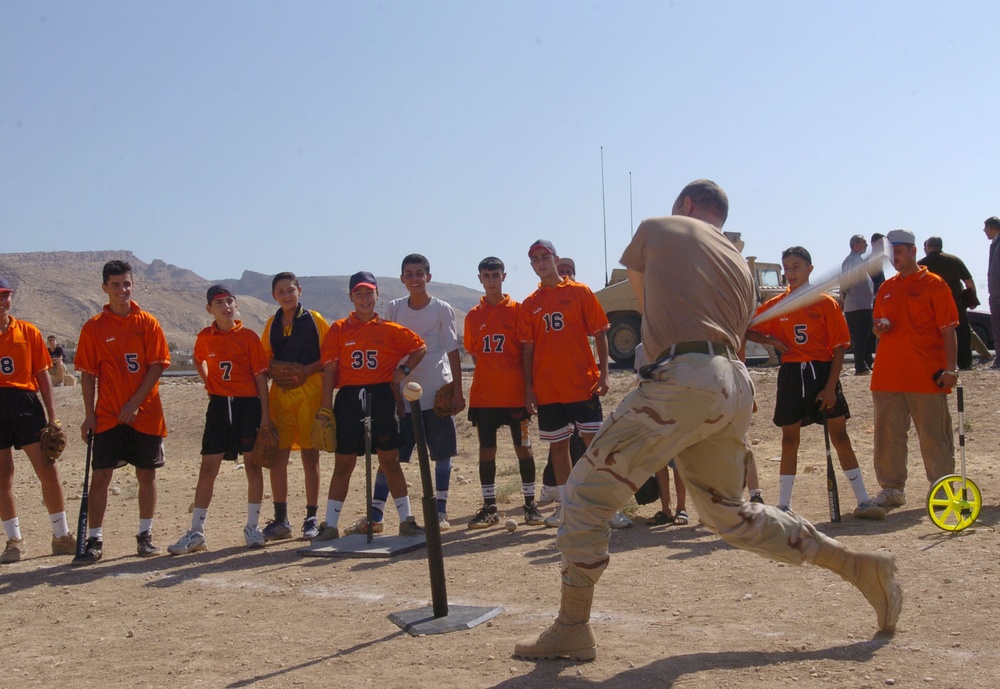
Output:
x,y
954,501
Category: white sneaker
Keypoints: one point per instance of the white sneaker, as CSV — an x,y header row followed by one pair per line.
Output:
x,y
443,523
253,536
869,510
555,519
548,494
190,542
620,521
890,497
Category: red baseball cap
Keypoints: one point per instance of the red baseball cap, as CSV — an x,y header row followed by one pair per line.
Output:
x,y
544,244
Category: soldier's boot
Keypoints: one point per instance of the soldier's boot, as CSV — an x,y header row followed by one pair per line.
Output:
x,y
570,636
873,573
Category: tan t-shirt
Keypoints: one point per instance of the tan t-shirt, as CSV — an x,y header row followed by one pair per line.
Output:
x,y
697,285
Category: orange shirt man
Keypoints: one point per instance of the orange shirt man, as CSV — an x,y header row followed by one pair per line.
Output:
x,y
915,368
121,355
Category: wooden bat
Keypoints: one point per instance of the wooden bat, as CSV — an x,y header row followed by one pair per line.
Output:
x,y
809,294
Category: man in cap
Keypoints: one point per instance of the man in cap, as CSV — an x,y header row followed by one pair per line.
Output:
x,y
915,370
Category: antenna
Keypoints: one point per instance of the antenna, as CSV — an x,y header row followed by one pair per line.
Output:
x,y
604,209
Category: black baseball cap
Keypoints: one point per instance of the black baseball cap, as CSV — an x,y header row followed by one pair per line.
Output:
x,y
218,292
5,286
363,279
543,244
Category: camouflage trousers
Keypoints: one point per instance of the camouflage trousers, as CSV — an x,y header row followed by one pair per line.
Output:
x,y
697,409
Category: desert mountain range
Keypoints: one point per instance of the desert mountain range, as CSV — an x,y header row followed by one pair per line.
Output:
x,y
59,290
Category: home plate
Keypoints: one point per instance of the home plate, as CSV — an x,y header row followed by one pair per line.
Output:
x,y
357,545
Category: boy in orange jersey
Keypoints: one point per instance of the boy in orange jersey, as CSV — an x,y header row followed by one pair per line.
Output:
x,y
293,405
124,351
231,361
812,341
562,383
24,364
497,395
360,355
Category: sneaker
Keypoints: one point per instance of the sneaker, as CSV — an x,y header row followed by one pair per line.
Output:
x,y
555,519
253,536
443,523
14,550
277,531
757,499
890,497
310,529
869,510
144,545
548,494
190,542
787,509
409,527
532,517
486,517
326,533
93,552
620,521
361,527
64,545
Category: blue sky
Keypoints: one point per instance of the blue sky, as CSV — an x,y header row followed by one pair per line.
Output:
x,y
331,137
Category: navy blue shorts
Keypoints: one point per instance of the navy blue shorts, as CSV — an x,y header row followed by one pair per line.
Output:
x,y
798,385
488,420
559,420
442,440
231,425
22,418
123,445
350,416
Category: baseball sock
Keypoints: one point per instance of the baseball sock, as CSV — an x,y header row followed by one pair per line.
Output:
x,y
785,484
311,510
442,479
59,525
96,532
253,514
145,525
198,516
12,527
403,507
380,493
281,512
333,508
488,480
857,484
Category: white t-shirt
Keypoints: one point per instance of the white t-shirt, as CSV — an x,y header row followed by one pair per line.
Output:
x,y
435,323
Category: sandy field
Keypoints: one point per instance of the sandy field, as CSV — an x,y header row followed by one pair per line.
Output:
x,y
676,608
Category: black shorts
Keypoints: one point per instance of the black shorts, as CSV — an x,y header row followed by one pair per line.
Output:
x,y
22,418
558,421
350,416
488,420
231,425
123,445
442,440
798,386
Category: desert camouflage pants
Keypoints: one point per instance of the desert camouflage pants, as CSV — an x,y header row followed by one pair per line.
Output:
x,y
697,409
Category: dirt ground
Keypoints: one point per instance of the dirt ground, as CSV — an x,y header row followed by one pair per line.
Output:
x,y
676,608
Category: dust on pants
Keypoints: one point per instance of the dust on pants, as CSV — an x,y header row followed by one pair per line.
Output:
x,y
697,409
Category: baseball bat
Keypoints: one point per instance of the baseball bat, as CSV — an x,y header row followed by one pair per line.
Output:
x,y
81,522
812,293
832,494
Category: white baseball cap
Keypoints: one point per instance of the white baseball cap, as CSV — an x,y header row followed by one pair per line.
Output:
x,y
901,237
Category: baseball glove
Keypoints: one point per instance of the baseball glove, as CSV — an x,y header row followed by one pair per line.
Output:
x,y
265,449
287,375
443,398
53,441
324,430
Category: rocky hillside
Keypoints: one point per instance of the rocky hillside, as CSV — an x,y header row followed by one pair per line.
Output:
x,y
58,291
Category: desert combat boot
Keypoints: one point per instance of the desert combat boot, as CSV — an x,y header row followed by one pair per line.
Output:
x,y
873,573
570,636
